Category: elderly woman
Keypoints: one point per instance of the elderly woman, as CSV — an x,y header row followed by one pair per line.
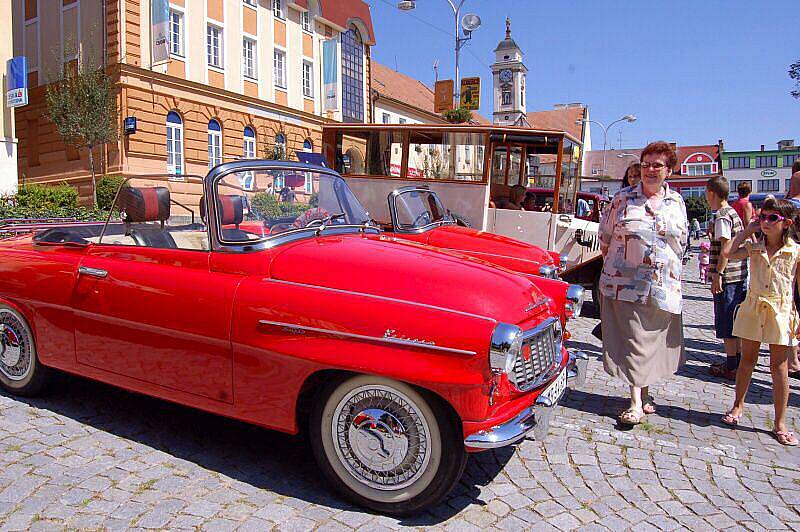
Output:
x,y
642,239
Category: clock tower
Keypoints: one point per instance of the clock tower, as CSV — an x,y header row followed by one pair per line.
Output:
x,y
508,75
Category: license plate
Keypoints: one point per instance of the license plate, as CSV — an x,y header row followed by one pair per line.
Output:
x,y
553,393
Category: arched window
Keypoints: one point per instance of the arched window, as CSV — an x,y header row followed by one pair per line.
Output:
x,y
249,151
174,143
280,146
352,76
214,143
308,145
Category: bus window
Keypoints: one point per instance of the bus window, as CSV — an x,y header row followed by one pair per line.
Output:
x,y
569,178
372,153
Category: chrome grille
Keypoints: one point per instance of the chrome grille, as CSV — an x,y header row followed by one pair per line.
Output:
x,y
544,343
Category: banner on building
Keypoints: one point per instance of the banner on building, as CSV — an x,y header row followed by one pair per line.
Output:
x,y
471,93
159,30
330,75
17,81
443,96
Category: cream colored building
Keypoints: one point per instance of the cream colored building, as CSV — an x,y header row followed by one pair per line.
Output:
x,y
244,78
8,140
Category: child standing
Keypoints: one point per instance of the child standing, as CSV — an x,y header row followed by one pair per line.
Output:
x,y
703,259
727,276
767,314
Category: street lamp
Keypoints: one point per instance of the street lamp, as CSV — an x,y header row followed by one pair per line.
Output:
x,y
469,23
623,155
626,118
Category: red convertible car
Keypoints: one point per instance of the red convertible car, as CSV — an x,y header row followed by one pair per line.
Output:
x,y
400,359
418,214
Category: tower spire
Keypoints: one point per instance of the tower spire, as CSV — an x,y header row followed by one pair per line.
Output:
x,y
508,27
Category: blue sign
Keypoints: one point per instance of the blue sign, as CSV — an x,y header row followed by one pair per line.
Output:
x,y
17,79
311,158
129,127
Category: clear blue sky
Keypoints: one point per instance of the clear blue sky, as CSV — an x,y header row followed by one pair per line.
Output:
x,y
691,71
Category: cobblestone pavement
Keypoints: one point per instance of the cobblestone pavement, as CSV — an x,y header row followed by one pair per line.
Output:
x,y
90,456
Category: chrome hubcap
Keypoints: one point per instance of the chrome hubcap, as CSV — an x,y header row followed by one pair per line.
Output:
x,y
15,349
380,437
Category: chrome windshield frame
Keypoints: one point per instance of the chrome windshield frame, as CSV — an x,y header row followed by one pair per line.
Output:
x,y
397,227
216,174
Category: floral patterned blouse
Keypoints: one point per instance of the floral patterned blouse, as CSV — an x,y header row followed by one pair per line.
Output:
x,y
644,245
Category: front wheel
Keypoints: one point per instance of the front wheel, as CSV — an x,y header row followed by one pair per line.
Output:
x,y
385,446
21,373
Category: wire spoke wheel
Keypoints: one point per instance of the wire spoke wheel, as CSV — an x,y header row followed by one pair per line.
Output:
x,y
16,349
381,437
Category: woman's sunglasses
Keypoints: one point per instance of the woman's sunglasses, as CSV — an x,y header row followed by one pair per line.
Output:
x,y
771,218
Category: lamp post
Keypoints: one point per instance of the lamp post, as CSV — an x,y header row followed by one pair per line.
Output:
x,y
469,24
626,118
623,155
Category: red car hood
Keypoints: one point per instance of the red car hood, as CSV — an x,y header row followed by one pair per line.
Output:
x,y
508,252
407,271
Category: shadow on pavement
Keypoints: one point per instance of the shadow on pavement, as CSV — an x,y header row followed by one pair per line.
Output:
x,y
265,459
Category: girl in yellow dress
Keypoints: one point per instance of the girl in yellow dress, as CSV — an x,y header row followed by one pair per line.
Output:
x,y
767,314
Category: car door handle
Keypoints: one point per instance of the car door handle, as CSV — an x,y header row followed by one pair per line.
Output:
x,y
92,272
565,218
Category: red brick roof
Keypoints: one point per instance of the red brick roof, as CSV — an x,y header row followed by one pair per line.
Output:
x,y
561,119
393,84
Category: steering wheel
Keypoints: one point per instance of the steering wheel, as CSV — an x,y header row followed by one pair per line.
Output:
x,y
423,218
312,216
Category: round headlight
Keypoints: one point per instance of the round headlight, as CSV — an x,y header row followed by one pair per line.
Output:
x,y
545,270
506,345
575,295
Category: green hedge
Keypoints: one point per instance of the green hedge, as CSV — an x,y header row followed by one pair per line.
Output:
x,y
107,187
41,201
266,205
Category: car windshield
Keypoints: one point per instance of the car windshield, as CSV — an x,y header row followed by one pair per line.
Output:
x,y
260,204
418,208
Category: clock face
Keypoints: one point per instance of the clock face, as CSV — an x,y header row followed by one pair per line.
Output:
x,y
505,75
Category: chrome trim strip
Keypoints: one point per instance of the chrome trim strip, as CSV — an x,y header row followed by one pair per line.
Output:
x,y
505,434
380,339
383,298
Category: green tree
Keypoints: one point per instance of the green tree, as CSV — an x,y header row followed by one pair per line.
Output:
x,y
794,73
83,106
696,207
457,116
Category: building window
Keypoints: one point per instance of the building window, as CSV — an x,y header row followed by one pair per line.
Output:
x,y
306,20
248,152
249,58
693,192
308,145
387,118
401,120
252,3
739,162
176,33
787,183
174,143
766,161
769,185
734,184
214,46
506,98
279,69
214,144
308,79
788,160
352,76
699,169
277,9
280,146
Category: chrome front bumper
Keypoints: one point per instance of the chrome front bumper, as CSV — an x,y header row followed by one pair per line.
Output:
x,y
534,418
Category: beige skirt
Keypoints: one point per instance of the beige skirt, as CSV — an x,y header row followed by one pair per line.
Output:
x,y
642,344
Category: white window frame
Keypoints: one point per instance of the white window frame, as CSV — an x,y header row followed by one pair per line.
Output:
x,y
308,79
214,146
175,147
181,16
307,21
250,71
278,9
279,70
219,46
